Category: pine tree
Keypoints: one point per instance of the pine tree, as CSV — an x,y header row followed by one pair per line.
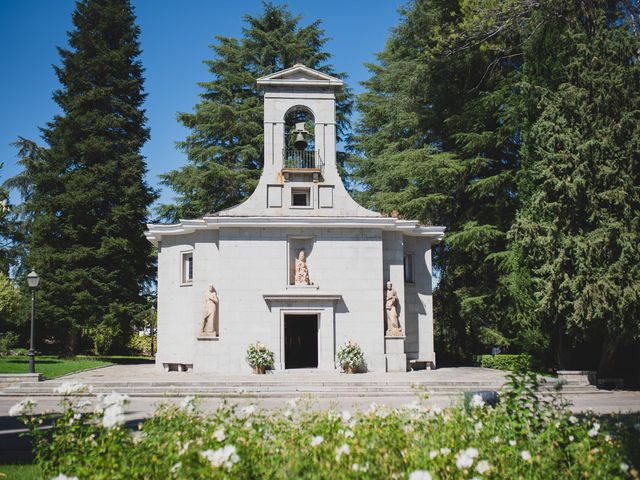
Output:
x,y
224,148
86,197
7,229
577,234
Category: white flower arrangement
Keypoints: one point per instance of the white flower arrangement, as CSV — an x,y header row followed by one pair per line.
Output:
x,y
350,356
259,356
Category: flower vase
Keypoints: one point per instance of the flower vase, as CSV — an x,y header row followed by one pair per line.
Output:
x,y
261,370
349,369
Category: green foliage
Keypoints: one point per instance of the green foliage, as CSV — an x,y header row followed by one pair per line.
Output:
x,y
225,145
9,298
12,314
350,356
50,366
479,109
514,363
9,231
526,435
140,344
8,340
22,472
85,198
578,231
259,356
440,136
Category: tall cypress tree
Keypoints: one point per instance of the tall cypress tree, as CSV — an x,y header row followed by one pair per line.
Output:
x,y
224,148
88,199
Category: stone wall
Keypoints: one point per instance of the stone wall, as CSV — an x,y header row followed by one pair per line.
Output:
x,y
246,263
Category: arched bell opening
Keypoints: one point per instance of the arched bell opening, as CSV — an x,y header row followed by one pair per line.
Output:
x,y
299,139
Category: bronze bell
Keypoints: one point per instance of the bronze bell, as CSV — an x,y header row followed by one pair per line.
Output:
x,y
300,143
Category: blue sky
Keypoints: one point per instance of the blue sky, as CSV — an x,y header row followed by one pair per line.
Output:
x,y
175,40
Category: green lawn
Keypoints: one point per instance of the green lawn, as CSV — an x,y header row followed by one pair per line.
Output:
x,y
21,472
50,366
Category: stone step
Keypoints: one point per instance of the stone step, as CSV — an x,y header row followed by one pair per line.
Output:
x,y
151,389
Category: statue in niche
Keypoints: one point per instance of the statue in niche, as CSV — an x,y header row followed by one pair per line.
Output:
x,y
391,311
302,271
209,326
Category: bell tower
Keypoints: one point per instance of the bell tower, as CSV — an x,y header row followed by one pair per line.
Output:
x,y
300,175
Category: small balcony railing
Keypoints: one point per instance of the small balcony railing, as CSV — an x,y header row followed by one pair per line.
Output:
x,y
301,159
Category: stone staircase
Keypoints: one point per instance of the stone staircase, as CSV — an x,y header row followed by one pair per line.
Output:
x,y
283,387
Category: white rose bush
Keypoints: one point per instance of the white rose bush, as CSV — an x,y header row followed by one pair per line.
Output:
x,y
526,435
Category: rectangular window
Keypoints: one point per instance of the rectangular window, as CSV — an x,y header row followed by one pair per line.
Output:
x,y
186,275
408,268
300,197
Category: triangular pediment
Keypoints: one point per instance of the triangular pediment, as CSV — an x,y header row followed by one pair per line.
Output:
x,y
299,74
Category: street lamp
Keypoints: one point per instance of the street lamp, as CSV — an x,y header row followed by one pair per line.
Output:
x,y
32,280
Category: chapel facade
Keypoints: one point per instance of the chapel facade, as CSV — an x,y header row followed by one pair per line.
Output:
x,y
299,266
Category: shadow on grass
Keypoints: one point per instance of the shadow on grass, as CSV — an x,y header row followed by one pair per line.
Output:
x,y
123,360
52,360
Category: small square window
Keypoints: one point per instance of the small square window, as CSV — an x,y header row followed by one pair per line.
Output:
x,y
408,268
300,197
186,274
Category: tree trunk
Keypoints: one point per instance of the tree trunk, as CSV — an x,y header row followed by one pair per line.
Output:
x,y
562,353
71,347
606,365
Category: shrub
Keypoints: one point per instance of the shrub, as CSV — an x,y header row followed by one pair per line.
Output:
x,y
259,356
350,356
513,363
8,340
527,435
140,344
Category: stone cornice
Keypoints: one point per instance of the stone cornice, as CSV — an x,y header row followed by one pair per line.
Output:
x,y
407,227
306,296
299,75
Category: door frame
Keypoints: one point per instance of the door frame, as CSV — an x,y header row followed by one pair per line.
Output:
x,y
284,320
317,312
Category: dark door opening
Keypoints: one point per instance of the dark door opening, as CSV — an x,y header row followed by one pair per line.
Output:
x,y
300,341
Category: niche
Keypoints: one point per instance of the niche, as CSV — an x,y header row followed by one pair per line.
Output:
x,y
297,245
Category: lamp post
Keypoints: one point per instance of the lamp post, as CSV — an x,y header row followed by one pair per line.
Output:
x,y
32,280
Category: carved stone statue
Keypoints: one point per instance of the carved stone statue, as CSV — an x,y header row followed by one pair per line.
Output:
x,y
391,311
302,271
209,326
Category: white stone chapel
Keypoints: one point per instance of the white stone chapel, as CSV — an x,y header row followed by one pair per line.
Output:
x,y
299,265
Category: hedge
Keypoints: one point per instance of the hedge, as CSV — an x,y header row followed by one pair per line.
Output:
x,y
512,363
